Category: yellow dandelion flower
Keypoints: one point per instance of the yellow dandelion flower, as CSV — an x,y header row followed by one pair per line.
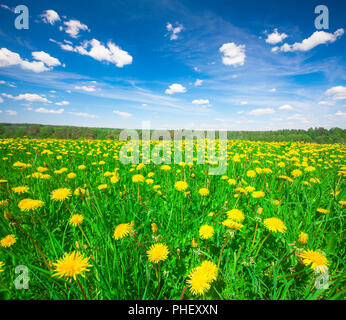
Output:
x,y
314,258
102,186
2,266
303,238
251,173
82,167
275,224
137,178
257,194
236,215
154,227
76,220
210,269
60,194
122,230
203,191
321,210
158,252
29,204
206,231
71,175
20,189
232,224
194,243
200,278
72,265
181,185
259,211
231,182
296,173
8,241
198,282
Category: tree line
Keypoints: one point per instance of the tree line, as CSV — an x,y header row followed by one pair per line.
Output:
x,y
317,135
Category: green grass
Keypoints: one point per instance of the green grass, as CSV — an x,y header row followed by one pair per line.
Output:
x,y
121,269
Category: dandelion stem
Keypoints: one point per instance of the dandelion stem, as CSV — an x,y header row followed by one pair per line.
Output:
x,y
183,293
262,244
139,243
223,247
81,288
36,245
254,236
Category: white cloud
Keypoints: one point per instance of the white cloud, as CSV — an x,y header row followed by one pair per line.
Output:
x,y
317,38
44,110
74,26
243,103
175,88
338,92
286,107
31,97
233,55
46,58
86,88
276,37
258,112
11,112
273,90
95,49
83,114
10,58
201,101
1,100
198,82
50,16
327,103
340,114
62,103
122,114
174,31
298,117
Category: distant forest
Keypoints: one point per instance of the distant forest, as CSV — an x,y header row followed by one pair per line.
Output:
x,y
318,135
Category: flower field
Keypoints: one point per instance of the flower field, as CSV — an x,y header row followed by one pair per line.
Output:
x,y
87,226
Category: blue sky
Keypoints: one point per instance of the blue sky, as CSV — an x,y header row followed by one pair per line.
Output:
x,y
235,65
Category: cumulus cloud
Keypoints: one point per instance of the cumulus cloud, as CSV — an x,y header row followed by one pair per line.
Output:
x,y
174,31
11,112
50,16
96,50
260,111
52,111
198,82
327,103
86,88
1,100
45,61
62,103
74,26
175,88
243,103
338,92
83,114
286,107
317,38
340,114
31,97
233,55
201,101
272,90
122,114
46,58
276,37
